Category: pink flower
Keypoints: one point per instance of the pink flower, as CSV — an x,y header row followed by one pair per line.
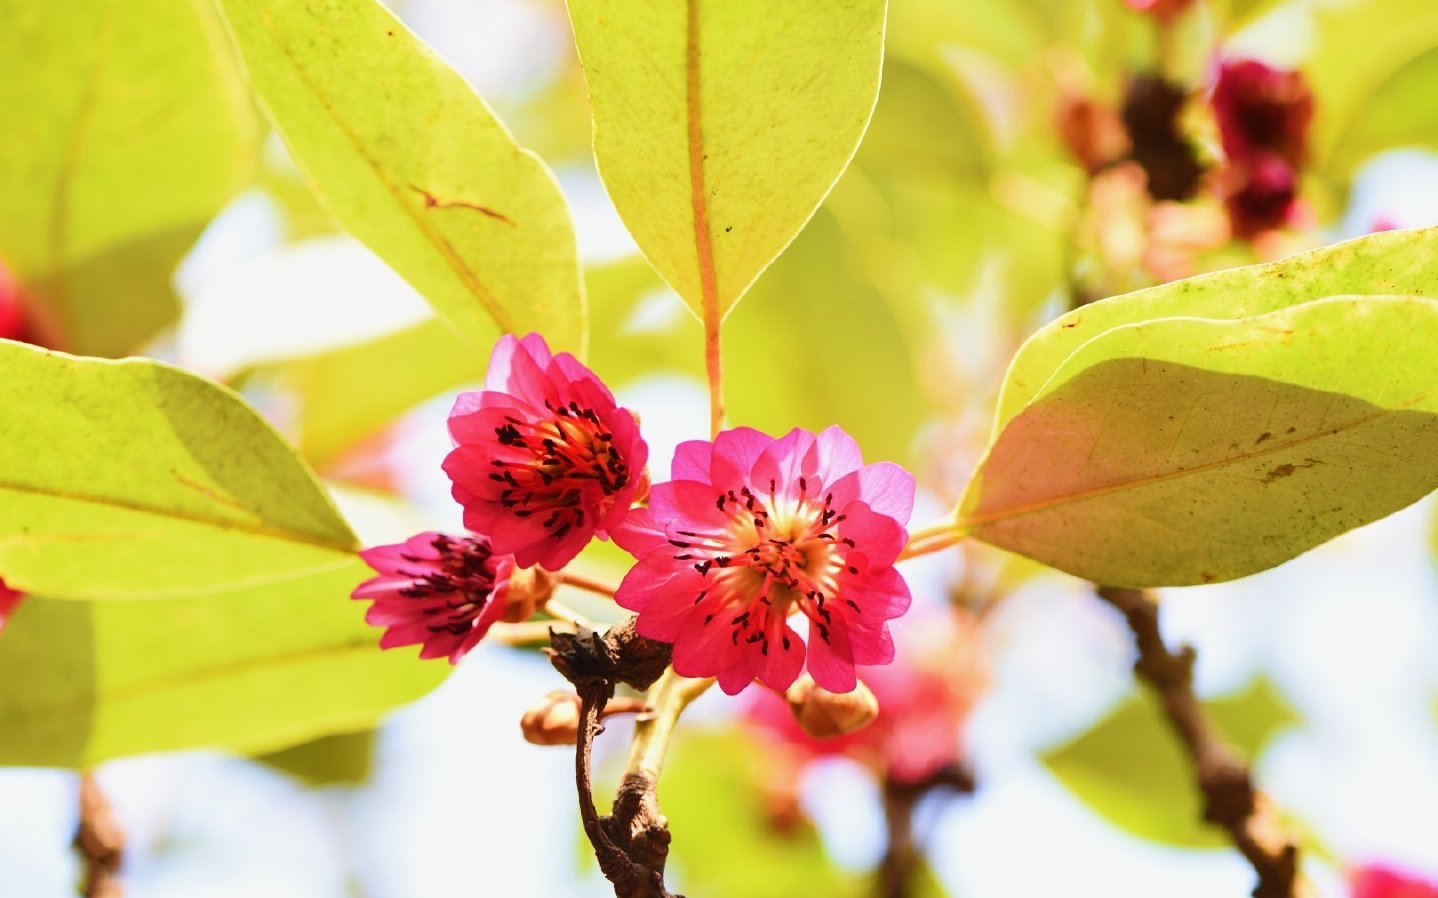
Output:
x,y
9,598
753,529
544,458
924,697
1384,882
441,592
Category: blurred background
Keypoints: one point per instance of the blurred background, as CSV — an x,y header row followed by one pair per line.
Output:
x,y
1025,157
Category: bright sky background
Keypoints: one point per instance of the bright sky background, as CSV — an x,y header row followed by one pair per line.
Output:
x,y
460,806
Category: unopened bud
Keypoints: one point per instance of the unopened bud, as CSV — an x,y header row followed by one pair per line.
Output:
x,y
824,714
554,721
529,589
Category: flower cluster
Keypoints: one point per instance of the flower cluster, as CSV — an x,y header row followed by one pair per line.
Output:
x,y
544,460
1263,114
750,531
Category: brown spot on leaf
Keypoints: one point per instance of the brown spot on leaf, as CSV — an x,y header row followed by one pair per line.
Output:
x,y
1265,436
1287,470
433,202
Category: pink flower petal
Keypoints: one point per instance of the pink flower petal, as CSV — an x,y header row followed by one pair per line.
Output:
x,y
544,460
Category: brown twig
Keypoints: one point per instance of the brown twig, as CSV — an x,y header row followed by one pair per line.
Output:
x,y
1230,798
632,844
99,840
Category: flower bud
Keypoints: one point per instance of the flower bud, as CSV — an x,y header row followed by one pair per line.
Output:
x,y
529,589
824,714
554,721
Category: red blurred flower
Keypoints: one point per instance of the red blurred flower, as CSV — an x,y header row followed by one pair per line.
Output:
x,y
1162,9
9,598
753,529
1262,108
440,592
544,458
12,317
924,698
1263,116
1264,197
1385,882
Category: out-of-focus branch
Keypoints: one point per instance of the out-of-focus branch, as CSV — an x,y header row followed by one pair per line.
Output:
x,y
1230,798
99,840
903,852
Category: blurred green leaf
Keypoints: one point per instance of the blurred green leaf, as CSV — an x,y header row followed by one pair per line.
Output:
x,y
341,759
1399,113
133,479
127,128
823,346
414,164
1356,48
350,393
1187,450
1131,770
719,128
713,795
255,669
1393,262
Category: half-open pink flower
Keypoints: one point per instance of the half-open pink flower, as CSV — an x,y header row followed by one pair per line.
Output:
x,y
544,459
753,529
436,591
9,598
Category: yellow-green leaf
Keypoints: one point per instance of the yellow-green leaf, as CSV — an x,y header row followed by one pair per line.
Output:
x,y
1186,451
1130,769
127,127
412,162
339,759
1393,262
133,479
720,125
252,670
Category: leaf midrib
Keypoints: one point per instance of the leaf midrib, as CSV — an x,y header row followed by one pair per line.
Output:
x,y
347,547
972,523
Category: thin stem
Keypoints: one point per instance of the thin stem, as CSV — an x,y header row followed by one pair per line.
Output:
x,y
1231,800
569,615
669,696
528,632
99,840
703,240
933,539
586,583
